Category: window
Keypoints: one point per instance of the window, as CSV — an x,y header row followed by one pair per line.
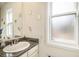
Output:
x,y
9,23
63,7
63,23
63,27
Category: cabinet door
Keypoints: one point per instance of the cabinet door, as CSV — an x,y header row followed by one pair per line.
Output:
x,y
24,55
35,54
33,51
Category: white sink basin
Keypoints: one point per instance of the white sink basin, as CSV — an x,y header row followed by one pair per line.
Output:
x,y
16,47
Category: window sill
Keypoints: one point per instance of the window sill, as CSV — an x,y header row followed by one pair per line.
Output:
x,y
62,45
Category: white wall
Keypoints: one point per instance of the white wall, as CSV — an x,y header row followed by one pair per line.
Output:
x,y
32,19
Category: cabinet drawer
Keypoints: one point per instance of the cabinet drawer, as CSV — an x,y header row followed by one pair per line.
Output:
x,y
33,50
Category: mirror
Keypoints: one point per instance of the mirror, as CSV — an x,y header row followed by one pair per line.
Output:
x,y
11,15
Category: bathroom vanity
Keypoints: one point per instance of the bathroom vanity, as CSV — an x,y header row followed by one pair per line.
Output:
x,y
30,51
33,52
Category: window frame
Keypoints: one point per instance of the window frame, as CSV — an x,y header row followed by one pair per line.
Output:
x,y
59,43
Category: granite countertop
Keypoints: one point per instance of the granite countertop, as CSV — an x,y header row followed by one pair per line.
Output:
x,y
33,42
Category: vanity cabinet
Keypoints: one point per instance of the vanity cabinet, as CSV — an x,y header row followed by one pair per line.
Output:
x,y
33,52
24,55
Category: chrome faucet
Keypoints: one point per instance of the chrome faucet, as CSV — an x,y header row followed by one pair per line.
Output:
x,y
15,41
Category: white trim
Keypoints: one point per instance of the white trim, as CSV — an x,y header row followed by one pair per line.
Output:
x,y
68,13
63,44
76,26
64,41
